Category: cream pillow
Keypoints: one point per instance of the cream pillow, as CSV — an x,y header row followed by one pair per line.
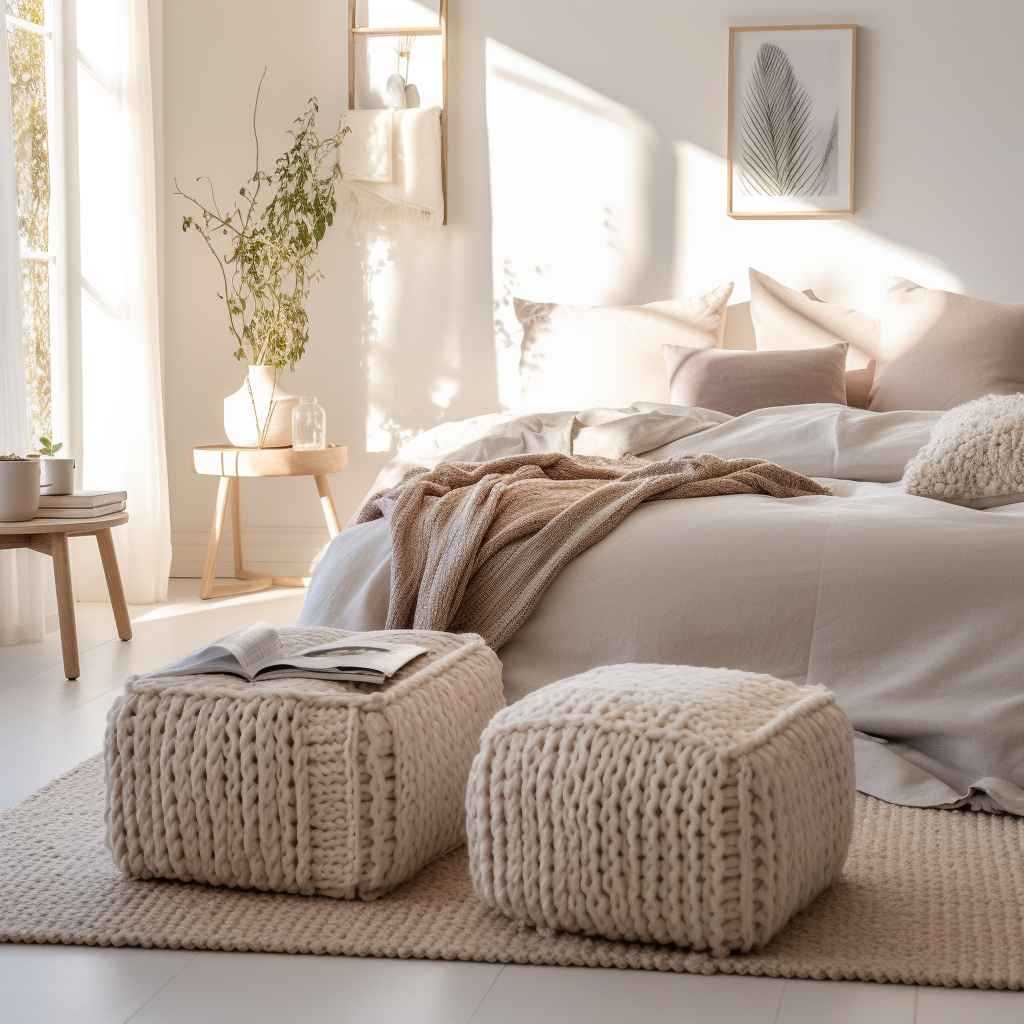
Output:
x,y
940,349
579,357
739,328
975,455
785,319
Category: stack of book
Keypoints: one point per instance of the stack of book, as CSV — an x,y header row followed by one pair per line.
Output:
x,y
81,504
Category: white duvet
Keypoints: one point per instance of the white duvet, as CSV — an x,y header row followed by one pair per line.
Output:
x,y
907,608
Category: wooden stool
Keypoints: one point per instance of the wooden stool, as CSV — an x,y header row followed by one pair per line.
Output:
x,y
230,464
50,536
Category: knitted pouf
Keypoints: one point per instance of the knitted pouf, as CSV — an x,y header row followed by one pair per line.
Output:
x,y
299,785
662,803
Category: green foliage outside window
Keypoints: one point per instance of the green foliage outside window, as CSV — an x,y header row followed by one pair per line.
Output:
x,y
27,10
27,58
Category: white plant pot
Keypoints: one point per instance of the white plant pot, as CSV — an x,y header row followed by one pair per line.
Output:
x,y
56,475
19,490
245,414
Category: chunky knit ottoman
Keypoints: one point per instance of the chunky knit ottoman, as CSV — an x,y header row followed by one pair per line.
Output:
x,y
661,803
299,785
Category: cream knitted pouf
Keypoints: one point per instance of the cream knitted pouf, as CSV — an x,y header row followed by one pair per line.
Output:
x,y
662,803
299,785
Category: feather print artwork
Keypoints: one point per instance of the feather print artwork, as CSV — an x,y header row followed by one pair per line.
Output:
x,y
781,151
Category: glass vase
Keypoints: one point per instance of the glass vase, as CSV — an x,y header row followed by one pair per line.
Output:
x,y
309,425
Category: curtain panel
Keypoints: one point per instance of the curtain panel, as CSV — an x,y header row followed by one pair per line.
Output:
x,y
122,445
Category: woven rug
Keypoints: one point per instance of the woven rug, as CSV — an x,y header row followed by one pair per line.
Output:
x,y
928,897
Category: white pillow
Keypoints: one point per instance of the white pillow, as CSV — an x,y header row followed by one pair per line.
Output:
x,y
581,357
739,325
975,456
785,319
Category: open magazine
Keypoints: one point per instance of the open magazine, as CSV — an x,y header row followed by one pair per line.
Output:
x,y
254,652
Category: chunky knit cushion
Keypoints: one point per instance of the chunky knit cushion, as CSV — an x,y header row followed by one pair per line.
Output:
x,y
975,454
298,785
660,803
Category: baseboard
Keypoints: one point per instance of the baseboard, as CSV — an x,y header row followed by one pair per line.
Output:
x,y
275,550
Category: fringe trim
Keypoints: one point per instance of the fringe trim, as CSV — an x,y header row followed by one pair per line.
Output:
x,y
392,219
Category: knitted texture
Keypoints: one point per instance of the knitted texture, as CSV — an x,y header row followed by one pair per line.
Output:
x,y
927,897
476,545
661,803
298,785
976,450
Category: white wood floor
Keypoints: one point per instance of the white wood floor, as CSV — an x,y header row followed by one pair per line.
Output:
x,y
48,724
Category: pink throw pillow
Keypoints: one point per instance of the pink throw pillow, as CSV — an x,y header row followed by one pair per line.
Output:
x,y
736,382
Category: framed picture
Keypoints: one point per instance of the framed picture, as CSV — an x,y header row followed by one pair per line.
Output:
x,y
791,119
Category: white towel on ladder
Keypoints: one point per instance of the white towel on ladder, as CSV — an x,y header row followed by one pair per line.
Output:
x,y
406,143
365,153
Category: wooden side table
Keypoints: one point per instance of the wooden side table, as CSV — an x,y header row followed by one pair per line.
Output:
x,y
50,536
231,464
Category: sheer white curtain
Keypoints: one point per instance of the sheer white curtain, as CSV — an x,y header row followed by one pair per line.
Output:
x,y
122,401
23,574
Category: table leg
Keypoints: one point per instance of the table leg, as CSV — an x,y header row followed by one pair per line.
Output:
x,y
236,524
114,588
213,548
65,604
327,502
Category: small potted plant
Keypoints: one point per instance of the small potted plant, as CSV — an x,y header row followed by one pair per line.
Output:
x,y
264,246
56,476
19,488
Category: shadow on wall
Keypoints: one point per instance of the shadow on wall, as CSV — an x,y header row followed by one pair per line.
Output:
x,y
570,220
837,259
410,388
573,207
574,219
425,362
570,185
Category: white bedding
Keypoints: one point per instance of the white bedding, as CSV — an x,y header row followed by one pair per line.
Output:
x,y
908,608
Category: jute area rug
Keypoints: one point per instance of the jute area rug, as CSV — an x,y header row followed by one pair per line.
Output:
x,y
928,897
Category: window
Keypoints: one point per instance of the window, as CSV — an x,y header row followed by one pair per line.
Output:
x,y
30,47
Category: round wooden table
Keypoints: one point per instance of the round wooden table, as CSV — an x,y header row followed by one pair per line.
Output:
x,y
230,464
50,536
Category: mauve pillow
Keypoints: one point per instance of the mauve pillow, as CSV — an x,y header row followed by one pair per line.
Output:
x,y
940,349
738,382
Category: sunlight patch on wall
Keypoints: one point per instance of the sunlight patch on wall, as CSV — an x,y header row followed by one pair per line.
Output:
x,y
839,260
570,174
378,289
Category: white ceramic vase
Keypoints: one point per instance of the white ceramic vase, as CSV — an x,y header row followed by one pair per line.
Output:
x,y
245,413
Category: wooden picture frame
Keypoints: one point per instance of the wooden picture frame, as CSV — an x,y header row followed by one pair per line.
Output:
x,y
791,123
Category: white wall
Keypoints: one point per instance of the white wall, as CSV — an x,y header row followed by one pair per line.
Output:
x,y
939,157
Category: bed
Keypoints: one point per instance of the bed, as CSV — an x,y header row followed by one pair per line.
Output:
x,y
909,609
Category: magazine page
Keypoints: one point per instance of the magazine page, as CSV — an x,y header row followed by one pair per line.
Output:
x,y
254,651
364,659
239,653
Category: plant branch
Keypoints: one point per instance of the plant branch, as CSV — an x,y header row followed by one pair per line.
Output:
x,y
271,246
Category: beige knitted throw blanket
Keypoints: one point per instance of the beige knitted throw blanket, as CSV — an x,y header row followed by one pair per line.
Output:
x,y
476,545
